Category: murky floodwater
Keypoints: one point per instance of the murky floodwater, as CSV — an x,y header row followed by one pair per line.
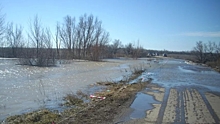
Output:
x,y
173,73
141,104
25,88
177,73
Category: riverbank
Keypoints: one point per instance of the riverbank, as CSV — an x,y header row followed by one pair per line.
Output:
x,y
26,88
99,107
103,107
184,93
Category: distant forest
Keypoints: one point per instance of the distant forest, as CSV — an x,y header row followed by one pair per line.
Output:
x,y
84,38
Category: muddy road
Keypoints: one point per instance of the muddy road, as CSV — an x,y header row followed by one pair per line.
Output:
x,y
187,93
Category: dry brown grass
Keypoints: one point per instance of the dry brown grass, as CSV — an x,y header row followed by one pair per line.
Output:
x,y
103,111
183,56
215,65
37,117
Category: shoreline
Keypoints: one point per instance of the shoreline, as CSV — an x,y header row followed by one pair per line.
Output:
x,y
24,84
175,105
126,97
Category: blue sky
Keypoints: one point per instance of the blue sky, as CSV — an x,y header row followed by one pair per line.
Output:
x,y
158,24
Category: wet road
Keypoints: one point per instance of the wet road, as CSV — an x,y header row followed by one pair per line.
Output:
x,y
186,94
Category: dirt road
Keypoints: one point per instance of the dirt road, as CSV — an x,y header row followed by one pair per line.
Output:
x,y
187,94
185,105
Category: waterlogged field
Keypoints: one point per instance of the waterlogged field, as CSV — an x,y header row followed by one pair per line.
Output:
x,y
25,88
180,92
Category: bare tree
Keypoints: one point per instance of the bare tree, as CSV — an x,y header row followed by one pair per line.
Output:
x,y
200,51
42,43
14,38
35,35
100,44
87,27
2,25
97,35
46,38
213,51
91,25
137,51
48,48
68,34
90,37
57,40
115,46
104,43
129,49
2,31
217,50
79,40
100,38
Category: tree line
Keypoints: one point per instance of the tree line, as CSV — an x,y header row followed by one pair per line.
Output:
x,y
207,53
84,38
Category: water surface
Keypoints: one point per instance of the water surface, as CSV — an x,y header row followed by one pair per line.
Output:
x,y
26,88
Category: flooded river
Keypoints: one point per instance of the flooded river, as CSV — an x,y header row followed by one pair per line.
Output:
x,y
26,88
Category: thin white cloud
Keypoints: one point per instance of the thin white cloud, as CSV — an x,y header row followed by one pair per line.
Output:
x,y
202,34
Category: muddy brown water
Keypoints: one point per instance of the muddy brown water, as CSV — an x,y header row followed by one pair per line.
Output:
x,y
25,88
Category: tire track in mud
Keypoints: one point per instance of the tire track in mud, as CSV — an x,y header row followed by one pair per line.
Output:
x,y
170,110
186,105
180,116
209,107
196,110
163,107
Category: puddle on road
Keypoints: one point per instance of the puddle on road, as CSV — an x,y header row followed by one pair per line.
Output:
x,y
141,104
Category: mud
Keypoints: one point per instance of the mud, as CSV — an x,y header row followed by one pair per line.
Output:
x,y
188,94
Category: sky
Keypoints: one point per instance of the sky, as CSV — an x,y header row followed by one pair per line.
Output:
x,y
174,25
